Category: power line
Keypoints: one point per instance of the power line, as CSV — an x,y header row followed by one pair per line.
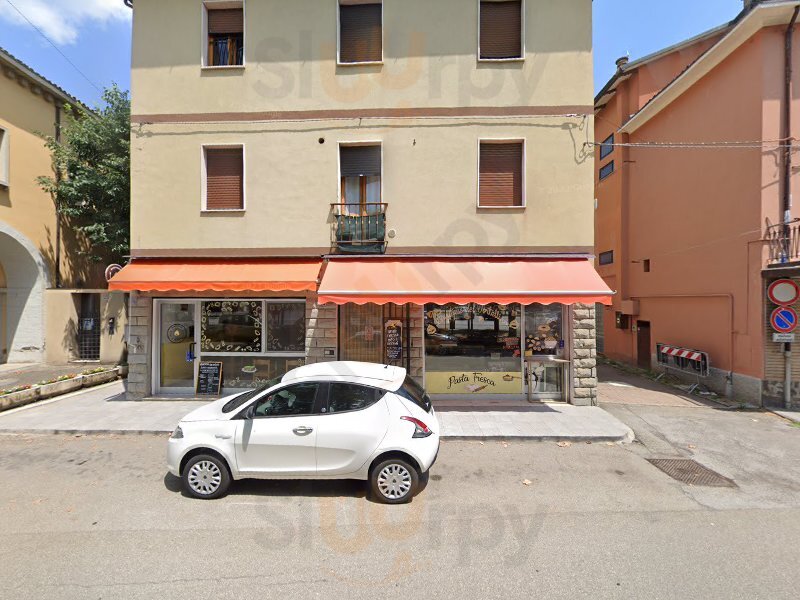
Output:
x,y
49,41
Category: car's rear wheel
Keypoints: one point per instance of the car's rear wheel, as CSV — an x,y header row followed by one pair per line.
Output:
x,y
394,481
206,477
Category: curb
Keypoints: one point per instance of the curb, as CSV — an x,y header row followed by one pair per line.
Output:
x,y
37,403
619,439
85,432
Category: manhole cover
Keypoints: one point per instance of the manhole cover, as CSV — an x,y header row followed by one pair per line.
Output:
x,y
691,472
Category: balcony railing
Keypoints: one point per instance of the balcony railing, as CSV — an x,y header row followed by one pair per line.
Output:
x,y
359,228
783,241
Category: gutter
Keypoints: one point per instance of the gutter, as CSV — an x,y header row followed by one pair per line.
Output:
x,y
787,120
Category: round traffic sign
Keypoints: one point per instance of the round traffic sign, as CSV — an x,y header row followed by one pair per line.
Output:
x,y
783,292
783,319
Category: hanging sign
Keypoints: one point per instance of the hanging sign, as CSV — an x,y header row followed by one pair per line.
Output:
x,y
783,292
784,319
394,340
209,378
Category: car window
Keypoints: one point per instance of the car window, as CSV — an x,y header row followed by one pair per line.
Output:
x,y
237,401
413,391
293,400
344,397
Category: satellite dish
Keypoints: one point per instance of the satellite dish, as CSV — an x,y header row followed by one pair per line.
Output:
x,y
112,270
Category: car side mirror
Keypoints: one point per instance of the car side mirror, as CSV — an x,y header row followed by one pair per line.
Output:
x,y
249,412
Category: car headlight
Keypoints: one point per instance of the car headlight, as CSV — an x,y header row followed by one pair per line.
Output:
x,y
177,434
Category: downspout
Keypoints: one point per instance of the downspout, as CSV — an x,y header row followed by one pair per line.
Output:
x,y
57,266
787,184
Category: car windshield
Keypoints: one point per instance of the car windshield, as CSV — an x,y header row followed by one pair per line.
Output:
x,y
244,397
413,391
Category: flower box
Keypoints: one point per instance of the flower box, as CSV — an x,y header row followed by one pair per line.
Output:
x,y
48,390
91,379
15,399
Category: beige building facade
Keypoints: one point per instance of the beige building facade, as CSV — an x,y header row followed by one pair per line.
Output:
x,y
450,136
54,305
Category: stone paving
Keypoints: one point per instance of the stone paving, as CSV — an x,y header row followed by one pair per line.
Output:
x,y
104,409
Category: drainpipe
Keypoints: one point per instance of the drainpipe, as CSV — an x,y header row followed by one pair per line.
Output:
x,y
787,184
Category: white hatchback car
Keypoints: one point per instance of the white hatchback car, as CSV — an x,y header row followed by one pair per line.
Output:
x,y
334,420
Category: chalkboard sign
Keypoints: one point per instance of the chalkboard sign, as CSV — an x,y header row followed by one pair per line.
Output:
x,y
209,378
394,340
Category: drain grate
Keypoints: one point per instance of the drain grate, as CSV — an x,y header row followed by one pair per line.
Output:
x,y
691,472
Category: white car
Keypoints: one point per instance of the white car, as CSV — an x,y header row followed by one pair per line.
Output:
x,y
334,420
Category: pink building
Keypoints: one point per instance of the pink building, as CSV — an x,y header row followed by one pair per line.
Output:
x,y
693,182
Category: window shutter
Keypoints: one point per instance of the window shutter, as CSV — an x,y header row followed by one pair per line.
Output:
x,y
360,160
360,33
224,179
225,20
501,29
501,174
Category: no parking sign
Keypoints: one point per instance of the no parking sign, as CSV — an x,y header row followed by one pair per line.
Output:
x,y
784,319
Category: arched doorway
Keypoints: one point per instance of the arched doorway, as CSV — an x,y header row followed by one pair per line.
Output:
x,y
23,280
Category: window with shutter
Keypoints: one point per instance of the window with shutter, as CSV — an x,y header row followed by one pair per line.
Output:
x,y
360,32
501,174
224,179
225,30
501,29
360,171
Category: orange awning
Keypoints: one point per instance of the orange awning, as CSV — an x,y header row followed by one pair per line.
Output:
x,y
267,275
462,280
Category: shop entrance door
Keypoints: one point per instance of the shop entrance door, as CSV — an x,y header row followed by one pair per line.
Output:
x,y
643,344
361,333
176,367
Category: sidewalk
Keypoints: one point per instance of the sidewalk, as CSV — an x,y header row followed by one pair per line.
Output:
x,y
104,410
16,374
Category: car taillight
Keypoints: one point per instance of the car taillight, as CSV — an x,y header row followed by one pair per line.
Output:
x,y
420,429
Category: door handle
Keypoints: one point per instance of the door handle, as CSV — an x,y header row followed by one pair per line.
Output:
x,y
302,430
220,436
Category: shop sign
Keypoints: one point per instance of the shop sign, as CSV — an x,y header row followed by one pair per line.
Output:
x,y
473,382
394,340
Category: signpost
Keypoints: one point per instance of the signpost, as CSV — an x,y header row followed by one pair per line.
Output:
x,y
784,293
784,319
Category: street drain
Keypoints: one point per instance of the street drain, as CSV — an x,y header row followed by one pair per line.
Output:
x,y
691,472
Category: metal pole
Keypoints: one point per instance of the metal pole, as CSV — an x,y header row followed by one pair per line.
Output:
x,y
787,375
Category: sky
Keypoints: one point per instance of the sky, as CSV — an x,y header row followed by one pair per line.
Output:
x,y
95,37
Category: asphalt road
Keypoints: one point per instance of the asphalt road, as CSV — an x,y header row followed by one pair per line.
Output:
x,y
99,517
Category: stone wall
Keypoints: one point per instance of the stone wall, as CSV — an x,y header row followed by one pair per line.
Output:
x,y
140,329
322,326
584,355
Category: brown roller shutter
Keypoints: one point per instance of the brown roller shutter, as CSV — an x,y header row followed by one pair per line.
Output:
x,y
357,161
360,33
225,20
501,174
501,29
224,179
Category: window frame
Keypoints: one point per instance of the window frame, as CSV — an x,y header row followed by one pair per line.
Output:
x,y
204,178
613,170
339,62
524,143
606,253
5,158
221,4
249,412
340,183
607,147
521,58
379,394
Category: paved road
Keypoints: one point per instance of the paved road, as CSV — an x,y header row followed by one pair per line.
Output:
x,y
98,517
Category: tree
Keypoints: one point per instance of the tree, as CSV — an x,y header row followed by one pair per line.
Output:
x,y
91,185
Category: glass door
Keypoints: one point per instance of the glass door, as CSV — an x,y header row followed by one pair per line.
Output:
x,y
176,368
361,333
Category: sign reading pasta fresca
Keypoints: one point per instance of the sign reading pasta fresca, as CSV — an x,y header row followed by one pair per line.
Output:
x,y
473,382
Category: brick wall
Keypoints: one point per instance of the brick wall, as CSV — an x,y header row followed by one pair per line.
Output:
x,y
322,326
584,355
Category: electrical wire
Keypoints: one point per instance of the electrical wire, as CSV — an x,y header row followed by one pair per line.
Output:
x,y
72,64
753,144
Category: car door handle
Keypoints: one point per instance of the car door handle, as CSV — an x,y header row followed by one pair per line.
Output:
x,y
220,436
302,430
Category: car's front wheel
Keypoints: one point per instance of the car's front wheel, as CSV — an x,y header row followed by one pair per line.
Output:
x,y
206,477
394,481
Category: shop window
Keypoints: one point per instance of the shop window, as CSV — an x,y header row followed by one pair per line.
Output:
x,y
224,178
606,258
473,348
360,32
244,371
544,330
500,30
501,174
231,326
286,326
224,23
361,333
607,147
607,170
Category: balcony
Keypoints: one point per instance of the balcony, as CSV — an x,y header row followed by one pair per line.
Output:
x,y
360,228
783,241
